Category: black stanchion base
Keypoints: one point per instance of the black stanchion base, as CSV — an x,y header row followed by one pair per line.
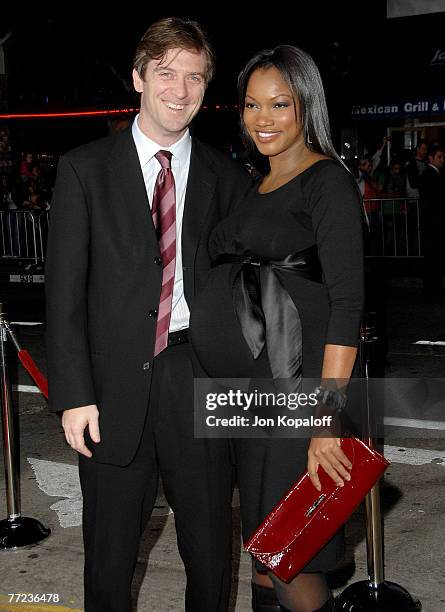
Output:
x,y
385,597
21,532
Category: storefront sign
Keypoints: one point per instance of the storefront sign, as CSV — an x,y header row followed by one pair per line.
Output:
x,y
438,58
405,108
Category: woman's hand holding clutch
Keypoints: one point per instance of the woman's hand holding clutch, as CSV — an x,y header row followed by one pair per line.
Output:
x,y
325,450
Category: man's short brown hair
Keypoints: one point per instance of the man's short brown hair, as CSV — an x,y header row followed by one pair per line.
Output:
x,y
173,33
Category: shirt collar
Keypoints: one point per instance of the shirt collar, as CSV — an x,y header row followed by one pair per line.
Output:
x,y
148,148
435,168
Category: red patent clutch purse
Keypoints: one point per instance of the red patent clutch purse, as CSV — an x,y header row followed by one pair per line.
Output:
x,y
306,519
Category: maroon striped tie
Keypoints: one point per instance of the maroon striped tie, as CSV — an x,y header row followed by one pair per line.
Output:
x,y
163,212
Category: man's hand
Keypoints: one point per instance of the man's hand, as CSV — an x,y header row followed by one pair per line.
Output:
x,y
74,422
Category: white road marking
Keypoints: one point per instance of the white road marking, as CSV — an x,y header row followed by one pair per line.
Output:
x,y
62,480
26,388
26,323
414,456
414,423
431,342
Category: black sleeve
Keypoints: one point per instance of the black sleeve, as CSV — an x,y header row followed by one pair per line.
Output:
x,y
337,219
243,183
413,174
235,182
427,187
66,275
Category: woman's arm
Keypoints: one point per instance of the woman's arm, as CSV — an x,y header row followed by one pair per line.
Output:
x,y
335,209
326,451
338,362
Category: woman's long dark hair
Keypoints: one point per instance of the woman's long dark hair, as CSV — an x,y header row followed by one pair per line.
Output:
x,y
300,72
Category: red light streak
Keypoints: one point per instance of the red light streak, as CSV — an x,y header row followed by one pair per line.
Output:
x,y
99,113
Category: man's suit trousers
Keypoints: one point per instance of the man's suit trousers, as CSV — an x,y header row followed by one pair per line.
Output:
x,y
197,479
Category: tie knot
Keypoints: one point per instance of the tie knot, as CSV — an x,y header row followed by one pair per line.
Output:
x,y
164,158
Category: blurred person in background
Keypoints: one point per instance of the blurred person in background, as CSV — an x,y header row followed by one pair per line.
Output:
x,y
35,199
415,167
432,215
25,172
6,193
392,184
366,178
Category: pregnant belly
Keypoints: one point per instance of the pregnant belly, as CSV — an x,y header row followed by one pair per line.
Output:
x,y
215,332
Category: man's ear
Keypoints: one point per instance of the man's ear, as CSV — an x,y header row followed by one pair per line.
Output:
x,y
138,83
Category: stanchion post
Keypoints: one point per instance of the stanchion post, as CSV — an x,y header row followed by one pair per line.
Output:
x,y
16,531
9,451
375,594
374,526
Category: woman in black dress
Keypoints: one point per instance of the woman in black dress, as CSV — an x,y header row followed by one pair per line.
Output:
x,y
306,212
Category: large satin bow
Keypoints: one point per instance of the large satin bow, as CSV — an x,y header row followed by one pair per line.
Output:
x,y
267,314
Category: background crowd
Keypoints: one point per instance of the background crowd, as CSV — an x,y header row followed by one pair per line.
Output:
x,y
28,186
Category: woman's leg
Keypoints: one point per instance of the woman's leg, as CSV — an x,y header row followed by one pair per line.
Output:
x,y
308,592
263,592
265,470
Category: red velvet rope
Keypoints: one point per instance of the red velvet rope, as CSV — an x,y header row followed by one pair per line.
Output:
x,y
34,371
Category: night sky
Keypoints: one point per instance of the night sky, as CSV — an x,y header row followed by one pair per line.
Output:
x,y
85,59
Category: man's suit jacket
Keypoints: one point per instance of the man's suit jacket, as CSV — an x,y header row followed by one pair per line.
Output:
x,y
104,275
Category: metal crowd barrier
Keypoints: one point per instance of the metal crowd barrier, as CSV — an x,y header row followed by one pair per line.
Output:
x,y
23,235
394,227
394,231
43,227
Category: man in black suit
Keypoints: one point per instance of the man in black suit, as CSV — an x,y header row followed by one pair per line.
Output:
x,y
432,209
128,413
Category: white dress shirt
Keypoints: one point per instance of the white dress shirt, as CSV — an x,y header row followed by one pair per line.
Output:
x,y
180,164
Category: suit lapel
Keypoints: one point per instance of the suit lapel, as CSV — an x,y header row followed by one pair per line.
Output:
x,y
127,175
201,186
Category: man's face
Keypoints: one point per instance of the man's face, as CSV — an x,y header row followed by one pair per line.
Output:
x,y
422,151
437,159
365,166
172,93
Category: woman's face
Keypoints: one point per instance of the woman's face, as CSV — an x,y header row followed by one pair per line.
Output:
x,y
271,113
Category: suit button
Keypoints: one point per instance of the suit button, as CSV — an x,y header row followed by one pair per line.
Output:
x,y
157,260
146,365
153,312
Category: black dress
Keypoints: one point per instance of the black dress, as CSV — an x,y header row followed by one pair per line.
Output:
x,y
322,207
